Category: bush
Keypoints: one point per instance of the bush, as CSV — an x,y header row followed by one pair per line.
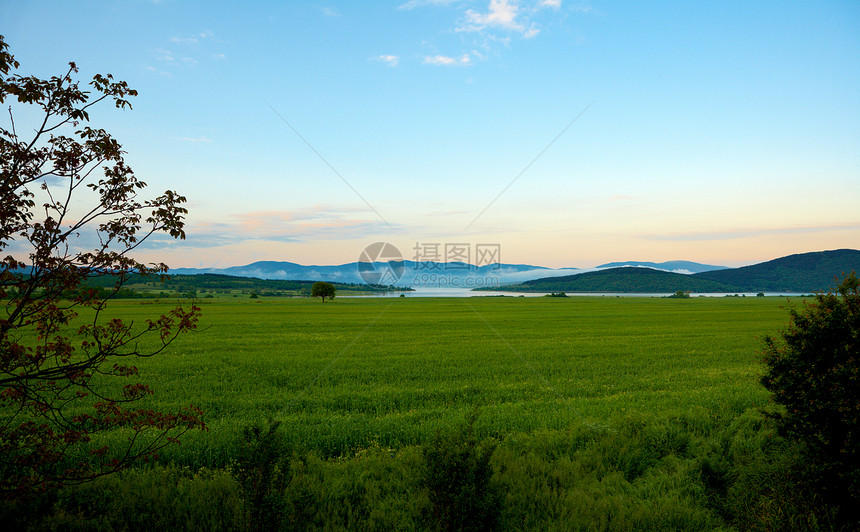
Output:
x,y
262,470
814,372
456,477
680,294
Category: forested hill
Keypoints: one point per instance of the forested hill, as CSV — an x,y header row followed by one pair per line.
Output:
x,y
804,272
627,280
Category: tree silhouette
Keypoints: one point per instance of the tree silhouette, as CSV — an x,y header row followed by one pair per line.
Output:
x,y
323,290
57,351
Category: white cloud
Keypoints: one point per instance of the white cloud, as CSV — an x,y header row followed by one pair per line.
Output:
x,y
219,56
444,60
502,14
531,32
496,24
164,55
193,39
330,12
390,60
505,15
199,139
184,40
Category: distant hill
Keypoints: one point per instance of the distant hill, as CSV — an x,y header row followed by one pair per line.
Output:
x,y
624,280
804,272
425,273
677,266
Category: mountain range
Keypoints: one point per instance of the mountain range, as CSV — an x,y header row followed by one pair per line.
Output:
x,y
804,272
424,273
408,273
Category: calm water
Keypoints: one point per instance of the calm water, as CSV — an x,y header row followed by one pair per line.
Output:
x,y
466,292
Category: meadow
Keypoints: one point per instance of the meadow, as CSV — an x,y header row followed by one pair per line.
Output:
x,y
584,413
347,373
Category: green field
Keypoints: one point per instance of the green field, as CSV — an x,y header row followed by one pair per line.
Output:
x,y
344,374
630,413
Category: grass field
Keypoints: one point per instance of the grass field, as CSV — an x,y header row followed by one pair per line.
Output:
x,y
581,413
347,373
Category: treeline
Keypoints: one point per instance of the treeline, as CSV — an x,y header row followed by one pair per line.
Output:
x,y
624,280
136,286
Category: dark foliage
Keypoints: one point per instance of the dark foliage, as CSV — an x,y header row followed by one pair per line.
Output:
x,y
51,366
814,372
457,476
623,280
262,469
323,290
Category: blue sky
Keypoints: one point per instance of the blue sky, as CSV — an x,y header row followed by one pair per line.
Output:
x,y
720,132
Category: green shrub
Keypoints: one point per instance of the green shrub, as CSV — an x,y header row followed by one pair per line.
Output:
x,y
261,470
148,498
814,373
456,477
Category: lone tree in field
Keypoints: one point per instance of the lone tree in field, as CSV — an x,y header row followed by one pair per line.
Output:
x,y
69,212
814,372
323,289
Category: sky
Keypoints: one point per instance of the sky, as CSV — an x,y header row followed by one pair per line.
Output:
x,y
568,133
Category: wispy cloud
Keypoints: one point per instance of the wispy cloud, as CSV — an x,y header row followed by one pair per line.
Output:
x,y
164,55
390,60
157,71
184,40
330,11
190,50
500,14
734,234
444,60
191,139
531,32
496,23
303,225
192,39
584,8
